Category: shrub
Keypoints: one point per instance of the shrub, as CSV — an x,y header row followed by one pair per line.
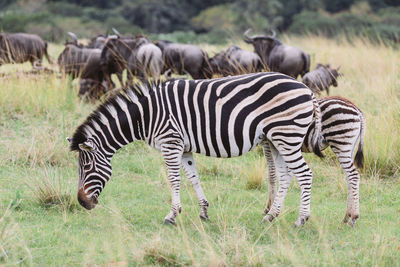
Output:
x,y
349,24
314,22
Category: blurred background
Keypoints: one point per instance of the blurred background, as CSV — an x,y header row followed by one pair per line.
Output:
x,y
196,21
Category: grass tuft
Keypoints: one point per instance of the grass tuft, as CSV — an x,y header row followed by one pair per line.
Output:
x,y
157,254
254,174
49,190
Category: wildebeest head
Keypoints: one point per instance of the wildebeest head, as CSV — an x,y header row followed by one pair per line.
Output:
x,y
74,38
115,51
162,44
97,41
263,44
118,49
216,61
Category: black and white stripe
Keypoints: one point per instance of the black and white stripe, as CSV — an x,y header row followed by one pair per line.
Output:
x,y
223,117
343,127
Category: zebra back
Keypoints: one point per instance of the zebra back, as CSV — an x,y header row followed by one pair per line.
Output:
x,y
340,120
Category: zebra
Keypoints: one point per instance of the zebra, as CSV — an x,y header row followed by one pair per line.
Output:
x,y
343,126
222,117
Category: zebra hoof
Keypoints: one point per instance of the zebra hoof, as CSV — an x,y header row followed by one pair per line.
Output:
x,y
268,218
169,222
204,217
300,221
346,218
351,223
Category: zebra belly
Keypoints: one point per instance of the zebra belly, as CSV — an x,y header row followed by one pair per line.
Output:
x,y
223,151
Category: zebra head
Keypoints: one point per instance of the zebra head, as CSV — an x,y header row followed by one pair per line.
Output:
x,y
94,171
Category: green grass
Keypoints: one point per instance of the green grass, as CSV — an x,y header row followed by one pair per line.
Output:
x,y
125,229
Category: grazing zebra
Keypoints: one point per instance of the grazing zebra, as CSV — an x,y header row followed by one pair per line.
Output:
x,y
343,126
223,117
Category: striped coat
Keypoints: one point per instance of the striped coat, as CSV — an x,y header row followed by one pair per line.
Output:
x,y
343,127
223,117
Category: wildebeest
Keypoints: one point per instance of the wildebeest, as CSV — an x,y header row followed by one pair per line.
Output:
x,y
182,58
22,47
114,57
279,57
321,78
235,61
138,55
84,63
80,62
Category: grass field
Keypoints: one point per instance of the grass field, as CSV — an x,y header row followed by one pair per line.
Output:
x,y
42,224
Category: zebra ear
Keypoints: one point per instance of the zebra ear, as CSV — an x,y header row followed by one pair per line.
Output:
x,y
87,146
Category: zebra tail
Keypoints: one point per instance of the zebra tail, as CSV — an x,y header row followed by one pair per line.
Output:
x,y
318,128
359,158
46,54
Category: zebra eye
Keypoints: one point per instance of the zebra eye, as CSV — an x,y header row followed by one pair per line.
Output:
x,y
87,166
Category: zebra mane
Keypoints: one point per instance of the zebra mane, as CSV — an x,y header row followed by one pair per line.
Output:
x,y
133,94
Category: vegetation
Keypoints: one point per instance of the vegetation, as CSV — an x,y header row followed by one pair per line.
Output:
x,y
42,224
214,21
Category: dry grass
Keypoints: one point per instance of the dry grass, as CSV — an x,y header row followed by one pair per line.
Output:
x,y
255,174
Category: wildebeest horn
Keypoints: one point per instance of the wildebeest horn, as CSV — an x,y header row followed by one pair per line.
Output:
x,y
246,35
273,33
115,31
73,36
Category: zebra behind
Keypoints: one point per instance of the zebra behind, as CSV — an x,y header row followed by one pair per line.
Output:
x,y
343,127
223,117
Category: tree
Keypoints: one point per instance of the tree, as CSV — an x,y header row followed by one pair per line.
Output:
x,y
258,14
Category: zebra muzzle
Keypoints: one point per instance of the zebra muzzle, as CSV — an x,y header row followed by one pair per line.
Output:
x,y
86,202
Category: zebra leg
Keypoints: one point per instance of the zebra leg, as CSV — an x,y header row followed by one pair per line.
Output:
x,y
353,183
172,154
296,165
191,173
271,175
284,182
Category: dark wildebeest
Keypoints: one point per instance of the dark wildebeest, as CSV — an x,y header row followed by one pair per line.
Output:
x,y
138,55
185,58
321,78
84,63
278,57
22,47
235,61
114,57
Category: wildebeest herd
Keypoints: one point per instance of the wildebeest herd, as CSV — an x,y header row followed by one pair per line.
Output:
x,y
215,117
145,60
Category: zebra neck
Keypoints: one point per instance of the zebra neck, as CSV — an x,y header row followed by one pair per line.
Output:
x,y
116,125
